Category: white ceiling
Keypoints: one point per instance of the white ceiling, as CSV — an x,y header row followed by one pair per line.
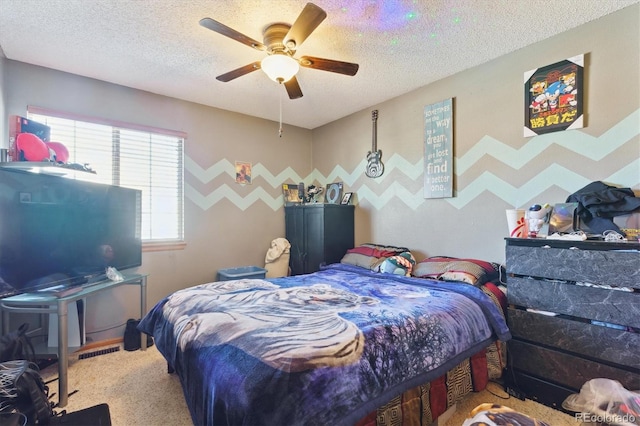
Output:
x,y
400,45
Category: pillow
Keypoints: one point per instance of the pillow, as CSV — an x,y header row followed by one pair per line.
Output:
x,y
370,255
358,259
471,271
378,250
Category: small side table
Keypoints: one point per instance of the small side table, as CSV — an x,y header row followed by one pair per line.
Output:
x,y
48,303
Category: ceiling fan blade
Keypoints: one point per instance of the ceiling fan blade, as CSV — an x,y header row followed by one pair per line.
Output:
x,y
308,20
293,88
239,72
340,67
231,33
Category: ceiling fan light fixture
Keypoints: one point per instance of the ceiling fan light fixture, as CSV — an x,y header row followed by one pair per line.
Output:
x,y
280,67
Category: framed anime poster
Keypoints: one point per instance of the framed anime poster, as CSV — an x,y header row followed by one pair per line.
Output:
x,y
243,172
554,97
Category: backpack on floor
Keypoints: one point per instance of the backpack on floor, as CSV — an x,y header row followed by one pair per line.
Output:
x,y
132,336
17,345
23,391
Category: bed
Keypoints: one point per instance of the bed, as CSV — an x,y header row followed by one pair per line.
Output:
x,y
345,345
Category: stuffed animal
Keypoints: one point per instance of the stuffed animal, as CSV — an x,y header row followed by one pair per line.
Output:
x,y
401,264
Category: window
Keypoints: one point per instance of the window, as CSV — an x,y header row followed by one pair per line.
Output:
x,y
137,157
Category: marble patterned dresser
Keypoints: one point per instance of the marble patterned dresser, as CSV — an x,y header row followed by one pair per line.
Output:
x,y
594,330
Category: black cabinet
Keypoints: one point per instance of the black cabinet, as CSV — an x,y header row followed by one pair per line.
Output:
x,y
319,234
574,314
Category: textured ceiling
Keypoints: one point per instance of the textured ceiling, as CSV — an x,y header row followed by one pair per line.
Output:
x,y
158,45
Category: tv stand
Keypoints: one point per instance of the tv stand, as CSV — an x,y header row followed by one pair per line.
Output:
x,y
51,303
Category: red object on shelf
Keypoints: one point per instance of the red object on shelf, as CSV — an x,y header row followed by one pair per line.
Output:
x,y
61,151
31,147
18,125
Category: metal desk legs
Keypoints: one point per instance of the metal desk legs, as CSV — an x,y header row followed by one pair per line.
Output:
x,y
63,353
143,310
31,304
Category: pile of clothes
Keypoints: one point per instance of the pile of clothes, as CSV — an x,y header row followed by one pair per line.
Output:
x,y
599,203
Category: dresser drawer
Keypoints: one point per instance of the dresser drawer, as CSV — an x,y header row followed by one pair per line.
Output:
x,y
563,368
610,267
589,340
613,306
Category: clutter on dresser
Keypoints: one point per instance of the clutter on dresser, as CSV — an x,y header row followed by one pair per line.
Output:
x,y
599,203
598,211
517,223
538,220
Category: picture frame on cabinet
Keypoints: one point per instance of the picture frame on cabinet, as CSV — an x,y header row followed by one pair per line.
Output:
x,y
333,194
291,194
346,198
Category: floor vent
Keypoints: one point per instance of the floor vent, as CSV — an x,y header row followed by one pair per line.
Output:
x,y
100,352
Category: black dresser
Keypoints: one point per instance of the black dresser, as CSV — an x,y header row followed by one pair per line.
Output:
x,y
595,331
319,234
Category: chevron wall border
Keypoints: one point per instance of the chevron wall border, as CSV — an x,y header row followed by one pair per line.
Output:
x,y
594,148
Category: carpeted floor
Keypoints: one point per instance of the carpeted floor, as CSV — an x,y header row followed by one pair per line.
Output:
x,y
139,391
135,384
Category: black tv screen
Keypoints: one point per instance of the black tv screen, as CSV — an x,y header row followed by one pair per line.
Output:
x,y
57,231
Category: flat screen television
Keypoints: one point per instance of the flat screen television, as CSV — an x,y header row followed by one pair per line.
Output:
x,y
61,232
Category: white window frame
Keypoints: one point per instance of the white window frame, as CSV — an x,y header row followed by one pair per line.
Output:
x,y
144,140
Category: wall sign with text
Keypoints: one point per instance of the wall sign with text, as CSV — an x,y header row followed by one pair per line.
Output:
x,y
554,97
438,149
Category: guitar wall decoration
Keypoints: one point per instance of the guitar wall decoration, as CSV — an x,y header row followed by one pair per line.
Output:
x,y
375,168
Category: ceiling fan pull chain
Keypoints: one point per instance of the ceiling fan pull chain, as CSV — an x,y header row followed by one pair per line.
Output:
x,y
280,129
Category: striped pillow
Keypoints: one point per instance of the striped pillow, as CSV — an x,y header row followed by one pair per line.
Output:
x,y
370,255
471,271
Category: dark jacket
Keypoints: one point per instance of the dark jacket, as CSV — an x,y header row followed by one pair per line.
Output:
x,y
598,203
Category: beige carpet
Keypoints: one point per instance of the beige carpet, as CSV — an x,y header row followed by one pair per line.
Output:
x,y
139,391
135,384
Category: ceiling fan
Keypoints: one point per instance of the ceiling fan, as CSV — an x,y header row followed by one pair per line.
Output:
x,y
280,41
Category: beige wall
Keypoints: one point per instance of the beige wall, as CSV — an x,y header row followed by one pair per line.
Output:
x,y
496,167
227,224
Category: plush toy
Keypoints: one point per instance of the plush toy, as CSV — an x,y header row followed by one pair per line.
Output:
x,y
401,264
